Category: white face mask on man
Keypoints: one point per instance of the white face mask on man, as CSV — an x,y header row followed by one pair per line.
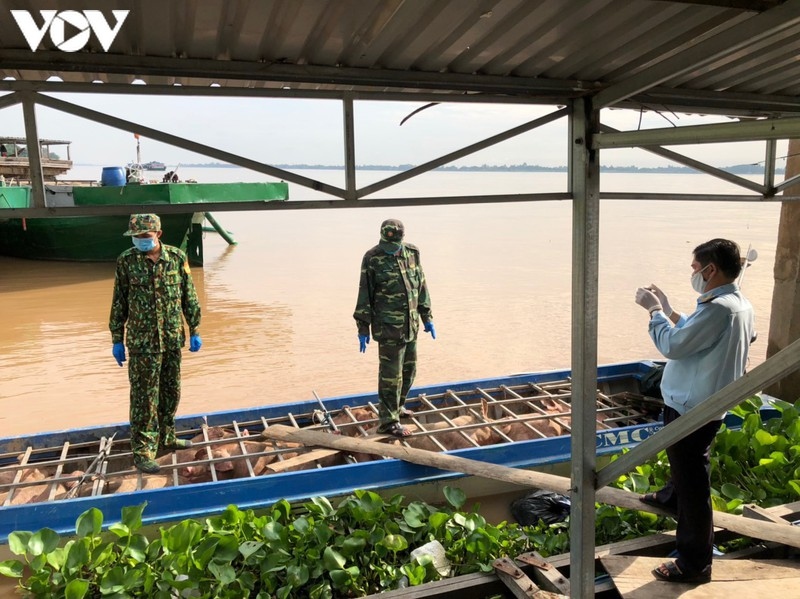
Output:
x,y
698,283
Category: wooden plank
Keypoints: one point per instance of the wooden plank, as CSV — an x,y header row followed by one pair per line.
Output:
x,y
545,574
518,584
634,579
768,531
301,460
751,510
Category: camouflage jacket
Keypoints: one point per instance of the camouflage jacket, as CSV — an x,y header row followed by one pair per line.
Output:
x,y
392,295
150,298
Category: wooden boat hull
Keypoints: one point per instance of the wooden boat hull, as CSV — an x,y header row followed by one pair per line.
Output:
x,y
202,499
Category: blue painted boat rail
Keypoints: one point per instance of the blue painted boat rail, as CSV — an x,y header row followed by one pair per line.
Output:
x,y
605,373
205,498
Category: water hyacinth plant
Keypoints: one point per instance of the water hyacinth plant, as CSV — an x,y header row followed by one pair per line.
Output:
x,y
362,545
359,547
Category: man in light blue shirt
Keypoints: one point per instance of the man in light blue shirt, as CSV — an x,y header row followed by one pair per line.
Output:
x,y
706,351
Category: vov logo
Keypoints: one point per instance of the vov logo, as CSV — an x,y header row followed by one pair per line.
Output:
x,y
79,25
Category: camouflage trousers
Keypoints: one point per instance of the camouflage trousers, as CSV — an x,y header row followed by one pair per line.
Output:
x,y
398,366
155,394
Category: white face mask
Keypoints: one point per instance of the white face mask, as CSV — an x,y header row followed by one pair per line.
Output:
x,y
698,284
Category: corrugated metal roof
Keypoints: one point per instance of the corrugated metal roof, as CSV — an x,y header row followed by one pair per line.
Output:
x,y
543,49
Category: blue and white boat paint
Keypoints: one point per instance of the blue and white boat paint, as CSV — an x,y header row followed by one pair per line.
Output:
x,y
197,500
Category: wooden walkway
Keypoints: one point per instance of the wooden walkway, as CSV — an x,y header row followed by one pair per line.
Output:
x,y
779,579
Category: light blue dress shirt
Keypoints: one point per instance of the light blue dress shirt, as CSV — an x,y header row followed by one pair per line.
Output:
x,y
706,350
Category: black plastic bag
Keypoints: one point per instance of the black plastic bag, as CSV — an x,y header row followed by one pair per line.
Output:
x,y
651,382
540,505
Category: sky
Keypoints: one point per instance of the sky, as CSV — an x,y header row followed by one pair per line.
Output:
x,y
278,131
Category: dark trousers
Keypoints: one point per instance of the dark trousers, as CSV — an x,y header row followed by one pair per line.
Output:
x,y
689,491
155,393
396,372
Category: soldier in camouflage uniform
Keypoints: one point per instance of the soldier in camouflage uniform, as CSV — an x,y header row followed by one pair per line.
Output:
x,y
392,297
152,288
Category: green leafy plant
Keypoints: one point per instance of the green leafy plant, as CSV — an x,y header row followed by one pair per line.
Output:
x,y
363,545
359,547
758,463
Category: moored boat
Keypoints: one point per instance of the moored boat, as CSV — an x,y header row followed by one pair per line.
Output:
x,y
14,162
99,238
520,421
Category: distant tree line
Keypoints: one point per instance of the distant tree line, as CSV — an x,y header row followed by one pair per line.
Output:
x,y
739,169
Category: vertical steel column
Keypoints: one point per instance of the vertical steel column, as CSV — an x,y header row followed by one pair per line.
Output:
x,y
349,149
769,167
34,156
584,185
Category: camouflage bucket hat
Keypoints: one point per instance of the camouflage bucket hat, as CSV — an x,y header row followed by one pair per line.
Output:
x,y
392,232
143,223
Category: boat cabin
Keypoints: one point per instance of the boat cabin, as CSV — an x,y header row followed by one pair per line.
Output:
x,y
14,158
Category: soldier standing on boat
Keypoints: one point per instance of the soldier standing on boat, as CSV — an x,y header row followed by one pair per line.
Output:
x,y
392,298
152,288
706,351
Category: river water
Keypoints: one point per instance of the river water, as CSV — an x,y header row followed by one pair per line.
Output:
x,y
277,308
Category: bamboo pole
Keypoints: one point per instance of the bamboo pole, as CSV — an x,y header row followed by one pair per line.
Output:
x,y
768,531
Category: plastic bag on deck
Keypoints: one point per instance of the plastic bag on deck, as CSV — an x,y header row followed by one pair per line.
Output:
x,y
540,505
651,382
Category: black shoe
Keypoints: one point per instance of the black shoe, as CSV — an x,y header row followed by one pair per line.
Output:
x,y
652,499
670,572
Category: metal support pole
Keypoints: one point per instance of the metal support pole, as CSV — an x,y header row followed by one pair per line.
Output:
x,y
584,166
34,151
769,167
349,149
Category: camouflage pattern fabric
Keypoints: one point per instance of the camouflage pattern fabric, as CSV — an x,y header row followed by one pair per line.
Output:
x,y
155,393
392,295
392,298
398,367
143,223
150,297
151,300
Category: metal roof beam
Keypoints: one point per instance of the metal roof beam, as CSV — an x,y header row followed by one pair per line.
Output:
x,y
700,166
734,39
724,102
314,204
751,5
56,87
693,197
10,100
666,99
186,144
699,134
466,151
143,66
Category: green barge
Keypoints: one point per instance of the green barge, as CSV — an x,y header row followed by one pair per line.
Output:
x,y
99,238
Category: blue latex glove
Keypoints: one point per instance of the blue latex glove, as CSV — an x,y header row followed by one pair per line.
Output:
x,y
430,329
195,343
118,351
362,343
